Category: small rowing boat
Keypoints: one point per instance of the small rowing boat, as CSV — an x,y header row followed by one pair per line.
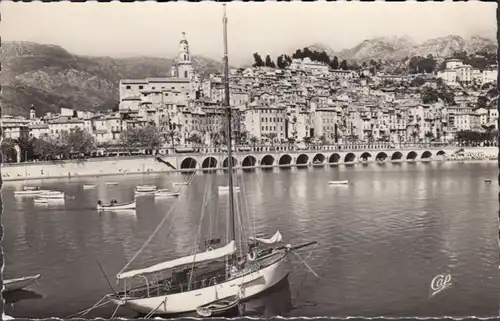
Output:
x,y
111,183
19,283
346,182
51,194
89,186
219,307
181,183
30,191
115,206
146,188
166,193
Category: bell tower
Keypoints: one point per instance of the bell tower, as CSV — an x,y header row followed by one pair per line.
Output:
x,y
184,64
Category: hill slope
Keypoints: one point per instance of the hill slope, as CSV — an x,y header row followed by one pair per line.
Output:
x,y
49,77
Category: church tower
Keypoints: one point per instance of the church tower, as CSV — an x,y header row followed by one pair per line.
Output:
x,y
184,65
32,112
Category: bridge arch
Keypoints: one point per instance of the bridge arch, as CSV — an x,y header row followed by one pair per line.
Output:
x,y
365,156
285,160
188,163
209,162
302,159
382,156
319,158
396,156
225,163
426,154
334,158
412,155
350,157
249,161
267,160
441,153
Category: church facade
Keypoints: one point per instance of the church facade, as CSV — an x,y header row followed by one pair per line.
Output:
x,y
182,86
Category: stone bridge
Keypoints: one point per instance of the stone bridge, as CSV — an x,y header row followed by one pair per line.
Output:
x,y
304,158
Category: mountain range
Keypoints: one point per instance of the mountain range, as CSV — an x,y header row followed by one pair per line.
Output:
x,y
49,77
399,48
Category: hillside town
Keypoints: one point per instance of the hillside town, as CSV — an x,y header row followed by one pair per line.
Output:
x,y
304,102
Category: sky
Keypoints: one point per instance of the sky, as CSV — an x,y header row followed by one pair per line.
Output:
x,y
154,29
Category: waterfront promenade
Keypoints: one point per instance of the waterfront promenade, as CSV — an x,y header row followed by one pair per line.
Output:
x,y
261,157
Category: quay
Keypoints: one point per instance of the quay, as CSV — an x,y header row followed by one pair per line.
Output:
x,y
218,160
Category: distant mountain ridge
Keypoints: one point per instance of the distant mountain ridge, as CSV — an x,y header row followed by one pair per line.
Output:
x,y
399,48
49,77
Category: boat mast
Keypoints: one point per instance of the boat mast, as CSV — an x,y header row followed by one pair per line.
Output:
x,y
228,135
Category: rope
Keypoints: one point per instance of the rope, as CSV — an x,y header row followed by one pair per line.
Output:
x,y
147,316
95,306
116,310
155,231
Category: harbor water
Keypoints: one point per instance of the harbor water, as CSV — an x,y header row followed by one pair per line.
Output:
x,y
381,239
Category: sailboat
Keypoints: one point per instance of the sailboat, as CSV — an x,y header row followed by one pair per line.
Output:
x,y
201,280
145,189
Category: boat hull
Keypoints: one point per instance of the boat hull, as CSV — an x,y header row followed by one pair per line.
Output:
x,y
117,207
52,195
19,284
251,284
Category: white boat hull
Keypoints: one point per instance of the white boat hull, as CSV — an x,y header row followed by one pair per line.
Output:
x,y
251,284
88,186
117,207
29,193
52,195
338,182
167,194
146,188
20,283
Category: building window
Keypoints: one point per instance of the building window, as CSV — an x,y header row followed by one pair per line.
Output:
x,y
185,74
128,87
141,87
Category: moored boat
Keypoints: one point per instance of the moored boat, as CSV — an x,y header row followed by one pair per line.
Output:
x,y
219,307
111,183
165,192
346,182
146,188
19,283
89,186
51,194
180,184
115,206
30,191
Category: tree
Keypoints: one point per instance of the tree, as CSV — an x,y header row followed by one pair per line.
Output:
x,y
269,62
258,60
8,149
26,145
429,136
254,140
78,141
272,137
195,138
306,140
343,65
147,136
417,82
335,63
322,139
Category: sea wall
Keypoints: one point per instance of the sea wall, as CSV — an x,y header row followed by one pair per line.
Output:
x,y
129,165
81,168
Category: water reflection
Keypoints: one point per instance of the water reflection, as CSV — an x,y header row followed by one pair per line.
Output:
x,y
381,239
